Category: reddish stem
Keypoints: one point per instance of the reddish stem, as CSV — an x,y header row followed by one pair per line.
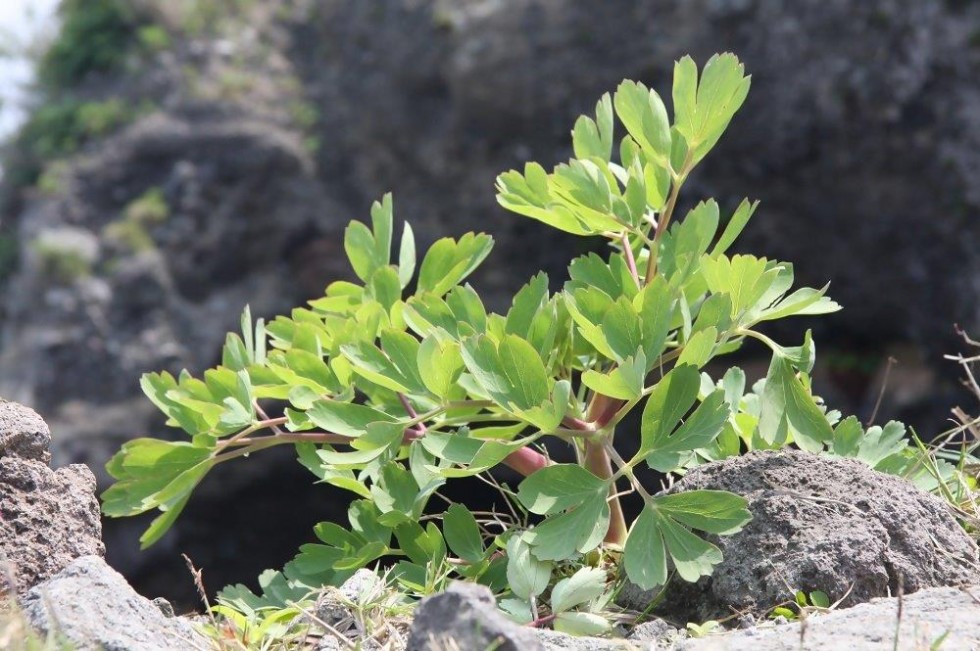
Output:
x,y
542,621
630,260
526,461
598,463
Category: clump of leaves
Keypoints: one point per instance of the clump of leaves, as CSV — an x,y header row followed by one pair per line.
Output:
x,y
393,386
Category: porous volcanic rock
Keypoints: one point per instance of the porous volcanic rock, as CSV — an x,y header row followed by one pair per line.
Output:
x,y
821,523
23,433
48,518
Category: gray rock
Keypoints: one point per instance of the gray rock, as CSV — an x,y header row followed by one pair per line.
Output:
x,y
656,632
332,606
23,433
93,607
927,615
466,615
48,518
822,524
553,640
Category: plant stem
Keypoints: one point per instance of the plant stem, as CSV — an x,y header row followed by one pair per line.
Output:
x,y
597,462
630,260
526,461
664,220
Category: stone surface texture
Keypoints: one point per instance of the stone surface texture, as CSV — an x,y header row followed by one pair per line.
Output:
x,y
927,616
466,615
93,607
23,433
48,518
822,524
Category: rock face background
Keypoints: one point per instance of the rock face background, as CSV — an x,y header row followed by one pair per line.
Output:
x,y
254,134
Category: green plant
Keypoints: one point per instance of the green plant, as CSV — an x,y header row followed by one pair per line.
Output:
x,y
95,36
389,395
803,602
63,258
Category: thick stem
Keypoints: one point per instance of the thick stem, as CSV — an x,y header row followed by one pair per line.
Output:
x,y
597,462
526,461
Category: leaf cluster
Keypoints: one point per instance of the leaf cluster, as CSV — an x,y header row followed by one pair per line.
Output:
x,y
393,385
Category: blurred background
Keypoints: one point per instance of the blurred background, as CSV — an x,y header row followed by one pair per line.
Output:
x,y
168,161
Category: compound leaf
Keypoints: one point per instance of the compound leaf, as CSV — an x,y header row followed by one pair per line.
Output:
x,y
585,585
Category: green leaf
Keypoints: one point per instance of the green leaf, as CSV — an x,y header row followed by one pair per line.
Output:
x,y
657,307
559,487
406,257
162,523
384,287
716,512
463,533
621,328
624,382
150,472
744,278
715,312
670,399
346,418
643,114
698,431
585,585
529,194
372,364
359,245
512,372
805,301
577,531
645,554
579,623
395,495
449,261
735,226
703,110
471,456
699,348
693,557
439,363
595,137
379,438
785,397
525,306
847,437
592,271
879,443
819,599
381,223
518,610
526,575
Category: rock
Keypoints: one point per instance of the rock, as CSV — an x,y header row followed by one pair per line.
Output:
x,y
48,518
23,433
821,523
927,616
93,607
656,633
466,615
332,606
553,640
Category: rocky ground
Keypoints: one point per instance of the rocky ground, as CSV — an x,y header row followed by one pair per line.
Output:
x,y
901,572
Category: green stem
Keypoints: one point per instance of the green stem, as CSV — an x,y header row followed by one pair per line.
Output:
x,y
664,220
